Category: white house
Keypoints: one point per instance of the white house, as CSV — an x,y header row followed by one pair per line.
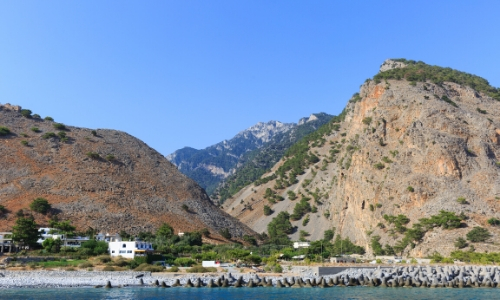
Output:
x,y
75,241
108,237
130,249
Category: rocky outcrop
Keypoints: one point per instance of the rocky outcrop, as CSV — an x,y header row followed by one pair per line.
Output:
x,y
410,148
104,179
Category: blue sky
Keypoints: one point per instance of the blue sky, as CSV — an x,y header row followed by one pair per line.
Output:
x,y
192,73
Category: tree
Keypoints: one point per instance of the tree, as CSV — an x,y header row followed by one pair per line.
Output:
x,y
52,245
478,234
267,210
26,113
279,228
328,234
25,231
376,246
166,231
64,226
40,205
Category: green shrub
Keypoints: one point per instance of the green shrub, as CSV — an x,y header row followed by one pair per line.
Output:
x,y
494,222
184,262
173,269
378,205
59,126
291,195
94,133
149,268
85,265
49,119
478,234
461,200
267,210
305,221
372,208
24,143
200,269
110,157
367,120
35,129
26,113
93,155
104,259
410,189
108,268
481,111
460,243
36,116
386,160
48,135
379,166
4,131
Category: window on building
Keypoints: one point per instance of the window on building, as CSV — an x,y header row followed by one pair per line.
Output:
x,y
124,246
129,251
112,251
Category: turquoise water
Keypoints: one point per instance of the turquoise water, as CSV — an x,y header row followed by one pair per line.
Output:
x,y
362,293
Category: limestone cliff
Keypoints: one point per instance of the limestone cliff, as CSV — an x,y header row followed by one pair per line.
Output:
x,y
407,146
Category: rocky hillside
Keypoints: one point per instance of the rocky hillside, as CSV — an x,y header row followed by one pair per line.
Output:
x,y
209,166
416,140
104,179
254,164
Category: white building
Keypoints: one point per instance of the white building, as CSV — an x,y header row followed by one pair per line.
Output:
x,y
6,244
75,241
130,249
108,237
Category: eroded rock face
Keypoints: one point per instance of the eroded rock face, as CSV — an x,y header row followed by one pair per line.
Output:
x,y
135,190
420,141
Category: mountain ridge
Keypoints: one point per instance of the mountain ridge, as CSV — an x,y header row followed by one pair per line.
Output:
x,y
213,164
416,140
103,179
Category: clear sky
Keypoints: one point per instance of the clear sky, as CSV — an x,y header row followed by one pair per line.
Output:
x,y
193,73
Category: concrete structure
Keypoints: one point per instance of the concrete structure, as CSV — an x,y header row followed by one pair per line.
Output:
x,y
342,259
130,249
6,244
108,237
298,245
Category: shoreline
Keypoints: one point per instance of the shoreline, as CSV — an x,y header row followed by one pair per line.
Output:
x,y
407,276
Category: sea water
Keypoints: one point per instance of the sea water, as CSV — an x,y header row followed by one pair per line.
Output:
x,y
361,293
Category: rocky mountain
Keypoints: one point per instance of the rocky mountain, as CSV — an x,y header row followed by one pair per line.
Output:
x,y
209,166
412,163
103,179
254,164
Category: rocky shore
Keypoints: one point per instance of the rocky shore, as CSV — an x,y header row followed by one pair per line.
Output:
x,y
413,276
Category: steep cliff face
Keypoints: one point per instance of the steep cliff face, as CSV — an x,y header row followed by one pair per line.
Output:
x,y
108,180
405,147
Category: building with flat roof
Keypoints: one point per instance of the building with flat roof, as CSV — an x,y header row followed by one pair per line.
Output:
x,y
130,249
